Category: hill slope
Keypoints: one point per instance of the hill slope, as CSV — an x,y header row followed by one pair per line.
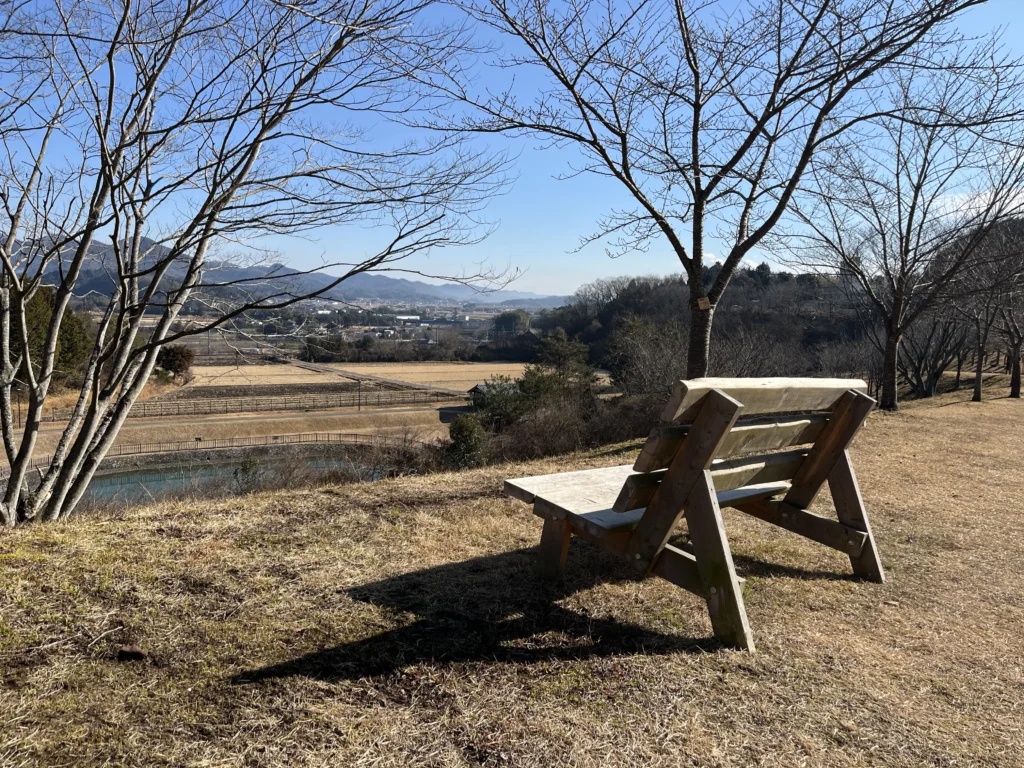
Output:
x,y
399,623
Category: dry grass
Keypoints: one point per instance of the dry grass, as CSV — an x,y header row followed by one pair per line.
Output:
x,y
451,375
400,624
67,398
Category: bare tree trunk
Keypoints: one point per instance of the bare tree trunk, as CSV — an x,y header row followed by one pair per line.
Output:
x,y
699,347
979,367
1015,372
890,361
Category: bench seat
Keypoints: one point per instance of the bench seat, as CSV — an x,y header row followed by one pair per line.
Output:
x,y
585,498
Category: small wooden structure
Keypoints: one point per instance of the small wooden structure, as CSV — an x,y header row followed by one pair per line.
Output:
x,y
705,457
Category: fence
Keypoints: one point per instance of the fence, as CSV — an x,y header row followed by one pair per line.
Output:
x,y
223,405
177,446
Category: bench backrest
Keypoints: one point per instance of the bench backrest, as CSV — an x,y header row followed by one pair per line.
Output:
x,y
776,414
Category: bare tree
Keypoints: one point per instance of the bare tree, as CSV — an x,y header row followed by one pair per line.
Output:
x,y
707,114
988,295
981,308
145,140
1012,327
1011,319
850,359
645,355
930,346
903,207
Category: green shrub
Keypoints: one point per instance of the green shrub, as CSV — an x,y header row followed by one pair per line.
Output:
x,y
468,442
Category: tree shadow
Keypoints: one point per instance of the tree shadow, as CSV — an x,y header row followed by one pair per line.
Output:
x,y
487,609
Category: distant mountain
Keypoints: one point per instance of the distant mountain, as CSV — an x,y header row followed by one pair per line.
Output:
x,y
98,276
377,286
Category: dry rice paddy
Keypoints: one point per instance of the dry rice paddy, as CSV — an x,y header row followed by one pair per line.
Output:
x,y
252,375
400,624
446,375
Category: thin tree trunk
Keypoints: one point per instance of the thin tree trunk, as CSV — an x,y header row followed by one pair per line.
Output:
x,y
979,368
890,360
1015,373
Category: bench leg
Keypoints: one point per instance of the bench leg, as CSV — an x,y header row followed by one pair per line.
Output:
x,y
554,548
842,482
715,566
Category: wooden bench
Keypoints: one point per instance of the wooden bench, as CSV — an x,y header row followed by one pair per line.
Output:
x,y
771,463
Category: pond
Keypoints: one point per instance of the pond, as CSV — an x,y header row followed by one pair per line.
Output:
x,y
222,478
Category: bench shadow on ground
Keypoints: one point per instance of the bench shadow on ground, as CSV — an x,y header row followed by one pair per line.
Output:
x,y
748,567
487,609
497,609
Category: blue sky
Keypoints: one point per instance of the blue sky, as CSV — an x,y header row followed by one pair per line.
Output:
x,y
541,219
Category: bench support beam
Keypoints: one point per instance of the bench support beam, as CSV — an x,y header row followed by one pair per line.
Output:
x,y
842,482
848,416
680,568
554,548
809,525
714,564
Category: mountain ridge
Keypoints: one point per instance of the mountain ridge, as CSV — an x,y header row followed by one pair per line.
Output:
x,y
98,276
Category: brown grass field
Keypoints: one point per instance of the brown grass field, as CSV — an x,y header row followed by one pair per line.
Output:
x,y
249,375
400,624
451,375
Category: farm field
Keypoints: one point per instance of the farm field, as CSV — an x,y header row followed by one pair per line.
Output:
x,y
439,374
448,375
400,623
253,375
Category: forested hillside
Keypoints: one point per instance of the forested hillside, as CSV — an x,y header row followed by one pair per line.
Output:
x,y
775,323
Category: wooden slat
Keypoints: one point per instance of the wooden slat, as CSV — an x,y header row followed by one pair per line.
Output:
x,y
605,521
755,470
638,490
750,493
574,489
814,527
760,396
750,435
